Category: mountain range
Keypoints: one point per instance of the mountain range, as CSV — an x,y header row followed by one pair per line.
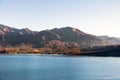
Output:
x,y
111,40
57,40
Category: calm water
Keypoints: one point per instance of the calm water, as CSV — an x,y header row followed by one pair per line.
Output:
x,y
49,67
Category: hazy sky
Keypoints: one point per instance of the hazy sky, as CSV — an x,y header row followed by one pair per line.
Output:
x,y
99,17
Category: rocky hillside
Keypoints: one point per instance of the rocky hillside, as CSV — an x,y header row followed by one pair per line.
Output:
x,y
66,37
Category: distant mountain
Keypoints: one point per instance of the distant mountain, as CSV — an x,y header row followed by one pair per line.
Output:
x,y
66,37
111,40
57,40
84,40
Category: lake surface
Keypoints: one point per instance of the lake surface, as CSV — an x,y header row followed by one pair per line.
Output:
x,y
51,67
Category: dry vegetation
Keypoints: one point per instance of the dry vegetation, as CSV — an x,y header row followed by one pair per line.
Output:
x,y
31,50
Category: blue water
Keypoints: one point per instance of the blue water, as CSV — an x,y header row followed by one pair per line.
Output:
x,y
49,67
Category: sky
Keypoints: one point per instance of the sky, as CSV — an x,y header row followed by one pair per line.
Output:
x,y
97,17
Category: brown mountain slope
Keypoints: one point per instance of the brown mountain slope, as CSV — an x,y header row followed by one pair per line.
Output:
x,y
66,37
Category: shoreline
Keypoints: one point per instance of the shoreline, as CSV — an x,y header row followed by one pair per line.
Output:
x,y
102,51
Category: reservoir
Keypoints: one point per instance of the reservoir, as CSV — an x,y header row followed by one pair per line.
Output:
x,y
58,67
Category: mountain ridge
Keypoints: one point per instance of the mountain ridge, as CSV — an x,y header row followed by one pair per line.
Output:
x,y
57,40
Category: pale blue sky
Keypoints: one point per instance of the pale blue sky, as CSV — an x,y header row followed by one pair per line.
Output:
x,y
99,17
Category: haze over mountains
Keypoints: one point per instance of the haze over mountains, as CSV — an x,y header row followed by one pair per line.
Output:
x,y
59,39
111,40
